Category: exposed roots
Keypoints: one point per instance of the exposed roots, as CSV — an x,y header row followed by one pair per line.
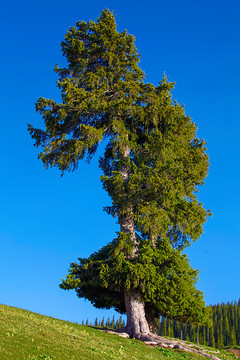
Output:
x,y
151,339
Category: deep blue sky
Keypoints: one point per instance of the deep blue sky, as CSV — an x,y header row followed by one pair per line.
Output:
x,y
48,221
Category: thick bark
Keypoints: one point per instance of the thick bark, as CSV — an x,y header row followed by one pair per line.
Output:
x,y
126,220
137,325
151,316
127,226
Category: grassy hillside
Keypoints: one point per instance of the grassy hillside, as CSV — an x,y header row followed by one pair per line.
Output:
x,y
28,336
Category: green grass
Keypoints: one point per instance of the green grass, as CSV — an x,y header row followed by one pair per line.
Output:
x,y
28,336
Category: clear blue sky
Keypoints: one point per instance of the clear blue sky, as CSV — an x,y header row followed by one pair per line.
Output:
x,y
47,221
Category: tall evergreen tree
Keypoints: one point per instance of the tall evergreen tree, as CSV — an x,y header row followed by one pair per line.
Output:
x,y
211,337
103,322
112,324
152,166
224,329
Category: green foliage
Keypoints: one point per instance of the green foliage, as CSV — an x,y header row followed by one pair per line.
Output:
x,y
153,165
161,275
103,96
217,335
166,166
99,85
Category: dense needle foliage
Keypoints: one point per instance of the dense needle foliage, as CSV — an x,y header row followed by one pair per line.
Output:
x,y
224,332
160,274
153,165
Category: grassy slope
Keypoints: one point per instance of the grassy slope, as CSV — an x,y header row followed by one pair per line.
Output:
x,y
28,336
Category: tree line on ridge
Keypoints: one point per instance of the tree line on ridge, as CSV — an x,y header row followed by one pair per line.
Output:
x,y
225,331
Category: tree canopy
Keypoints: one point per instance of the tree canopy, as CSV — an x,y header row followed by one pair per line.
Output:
x,y
153,165
160,274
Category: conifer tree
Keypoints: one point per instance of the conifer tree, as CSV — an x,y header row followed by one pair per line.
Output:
x,y
112,324
211,338
120,323
226,329
164,327
152,166
103,322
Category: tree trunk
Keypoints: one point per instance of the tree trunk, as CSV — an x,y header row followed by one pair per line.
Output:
x,y
126,220
127,226
151,316
137,325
